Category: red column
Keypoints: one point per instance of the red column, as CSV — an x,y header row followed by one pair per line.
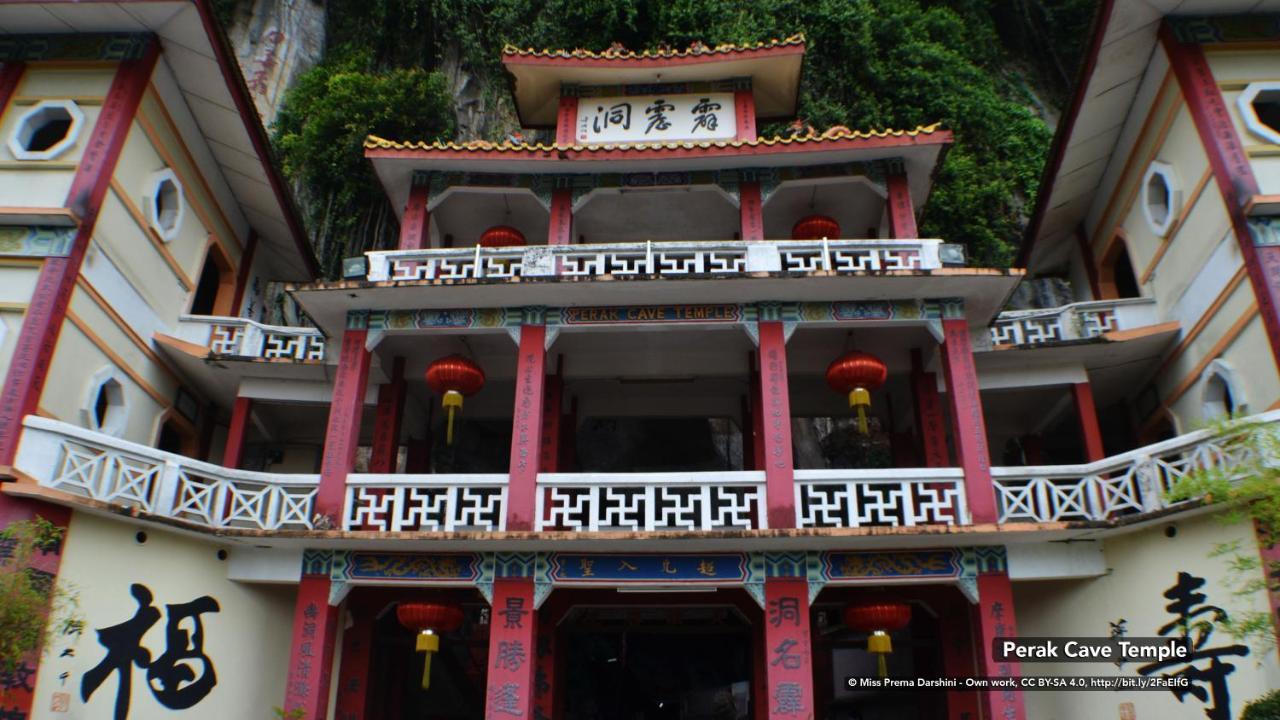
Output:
x,y
757,416
315,626
744,109
567,120
968,428
10,76
776,417
342,436
415,226
549,461
33,353
353,669
902,214
387,420
751,211
544,674
526,431
929,419
512,638
560,231
789,665
1082,394
242,274
996,619
233,453
1231,170
957,661
747,426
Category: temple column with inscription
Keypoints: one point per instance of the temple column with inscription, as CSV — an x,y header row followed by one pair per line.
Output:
x,y
353,669
750,211
957,659
788,662
744,111
996,619
315,630
549,459
233,451
775,419
901,211
928,413
526,430
509,691
567,120
415,225
342,435
560,231
968,428
387,420
1087,412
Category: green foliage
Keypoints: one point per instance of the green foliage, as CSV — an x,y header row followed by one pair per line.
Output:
x,y
30,610
294,714
1266,707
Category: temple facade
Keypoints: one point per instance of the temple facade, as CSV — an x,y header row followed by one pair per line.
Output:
x,y
659,418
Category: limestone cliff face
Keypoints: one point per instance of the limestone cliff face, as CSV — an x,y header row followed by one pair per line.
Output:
x,y
274,41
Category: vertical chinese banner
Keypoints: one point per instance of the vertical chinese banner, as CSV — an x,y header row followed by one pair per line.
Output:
x,y
996,619
311,655
512,650
787,658
526,432
776,419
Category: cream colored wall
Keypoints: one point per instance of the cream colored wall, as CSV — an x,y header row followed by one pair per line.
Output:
x,y
1141,566
1233,71
247,639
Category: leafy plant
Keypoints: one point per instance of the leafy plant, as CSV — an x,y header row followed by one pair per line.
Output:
x,y
294,714
1266,707
32,609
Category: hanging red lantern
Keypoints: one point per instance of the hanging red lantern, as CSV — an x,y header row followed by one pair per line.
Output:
x,y
501,236
815,227
857,374
454,377
429,620
878,620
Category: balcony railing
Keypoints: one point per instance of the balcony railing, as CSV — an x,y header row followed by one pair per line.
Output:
x,y
654,259
1077,321
245,339
92,465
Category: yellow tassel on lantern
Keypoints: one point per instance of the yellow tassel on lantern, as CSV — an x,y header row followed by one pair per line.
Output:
x,y
879,644
452,401
861,399
428,643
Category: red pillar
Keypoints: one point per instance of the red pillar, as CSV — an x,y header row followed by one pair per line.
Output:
x,y
747,426
757,416
549,461
957,661
567,120
233,453
315,627
996,619
1082,394
929,419
526,431
776,417
744,109
342,436
10,76
751,211
387,420
544,674
242,274
512,649
33,353
968,428
1231,170
353,670
560,231
789,665
415,226
902,214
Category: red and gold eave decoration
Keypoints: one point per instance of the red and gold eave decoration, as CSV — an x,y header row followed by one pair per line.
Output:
x,y
815,227
501,236
878,620
856,374
454,377
429,620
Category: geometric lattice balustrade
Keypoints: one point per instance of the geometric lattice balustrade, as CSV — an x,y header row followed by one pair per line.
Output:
x,y
887,498
647,502
244,339
1077,321
407,503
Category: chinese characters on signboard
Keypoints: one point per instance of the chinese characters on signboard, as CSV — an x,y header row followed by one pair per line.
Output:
x,y
656,118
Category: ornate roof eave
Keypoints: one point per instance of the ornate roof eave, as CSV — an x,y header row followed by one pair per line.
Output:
x,y
697,53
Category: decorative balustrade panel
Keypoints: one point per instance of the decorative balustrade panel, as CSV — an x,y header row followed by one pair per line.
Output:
x,y
398,503
1071,322
242,338
279,346
824,501
225,339
650,502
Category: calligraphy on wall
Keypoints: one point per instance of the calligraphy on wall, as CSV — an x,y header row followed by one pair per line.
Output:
x,y
657,118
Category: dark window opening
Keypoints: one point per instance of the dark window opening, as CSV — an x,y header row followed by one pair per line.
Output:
x,y
49,133
171,439
207,289
102,404
1122,276
1267,107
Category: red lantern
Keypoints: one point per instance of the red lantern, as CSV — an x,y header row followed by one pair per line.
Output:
x,y
501,236
878,619
815,227
454,377
429,620
857,374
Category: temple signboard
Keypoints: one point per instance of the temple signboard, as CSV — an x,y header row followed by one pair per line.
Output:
x,y
657,118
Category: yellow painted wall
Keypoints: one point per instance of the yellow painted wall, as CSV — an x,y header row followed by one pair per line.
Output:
x,y
1141,567
1233,70
247,639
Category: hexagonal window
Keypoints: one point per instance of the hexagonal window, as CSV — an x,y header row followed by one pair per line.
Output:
x,y
1161,197
105,409
1260,109
165,204
47,130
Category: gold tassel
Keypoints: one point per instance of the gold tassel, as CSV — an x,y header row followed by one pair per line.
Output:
x,y
428,643
881,645
452,402
861,399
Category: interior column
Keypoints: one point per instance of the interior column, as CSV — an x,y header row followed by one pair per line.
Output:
x,y
928,412
353,669
750,211
526,431
775,417
902,214
549,460
957,660
233,451
415,226
387,421
968,428
342,435
1087,412
787,656
512,644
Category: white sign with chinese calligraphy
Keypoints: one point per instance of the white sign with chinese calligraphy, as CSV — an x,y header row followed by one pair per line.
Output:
x,y
656,118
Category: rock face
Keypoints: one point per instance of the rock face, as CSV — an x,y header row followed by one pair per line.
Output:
x,y
274,41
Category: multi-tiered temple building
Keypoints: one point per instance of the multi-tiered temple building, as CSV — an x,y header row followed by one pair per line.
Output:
x,y
661,418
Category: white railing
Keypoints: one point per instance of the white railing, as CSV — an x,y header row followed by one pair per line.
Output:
x,y
645,502
655,259
1134,482
896,497
82,462
408,503
1076,321
244,338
